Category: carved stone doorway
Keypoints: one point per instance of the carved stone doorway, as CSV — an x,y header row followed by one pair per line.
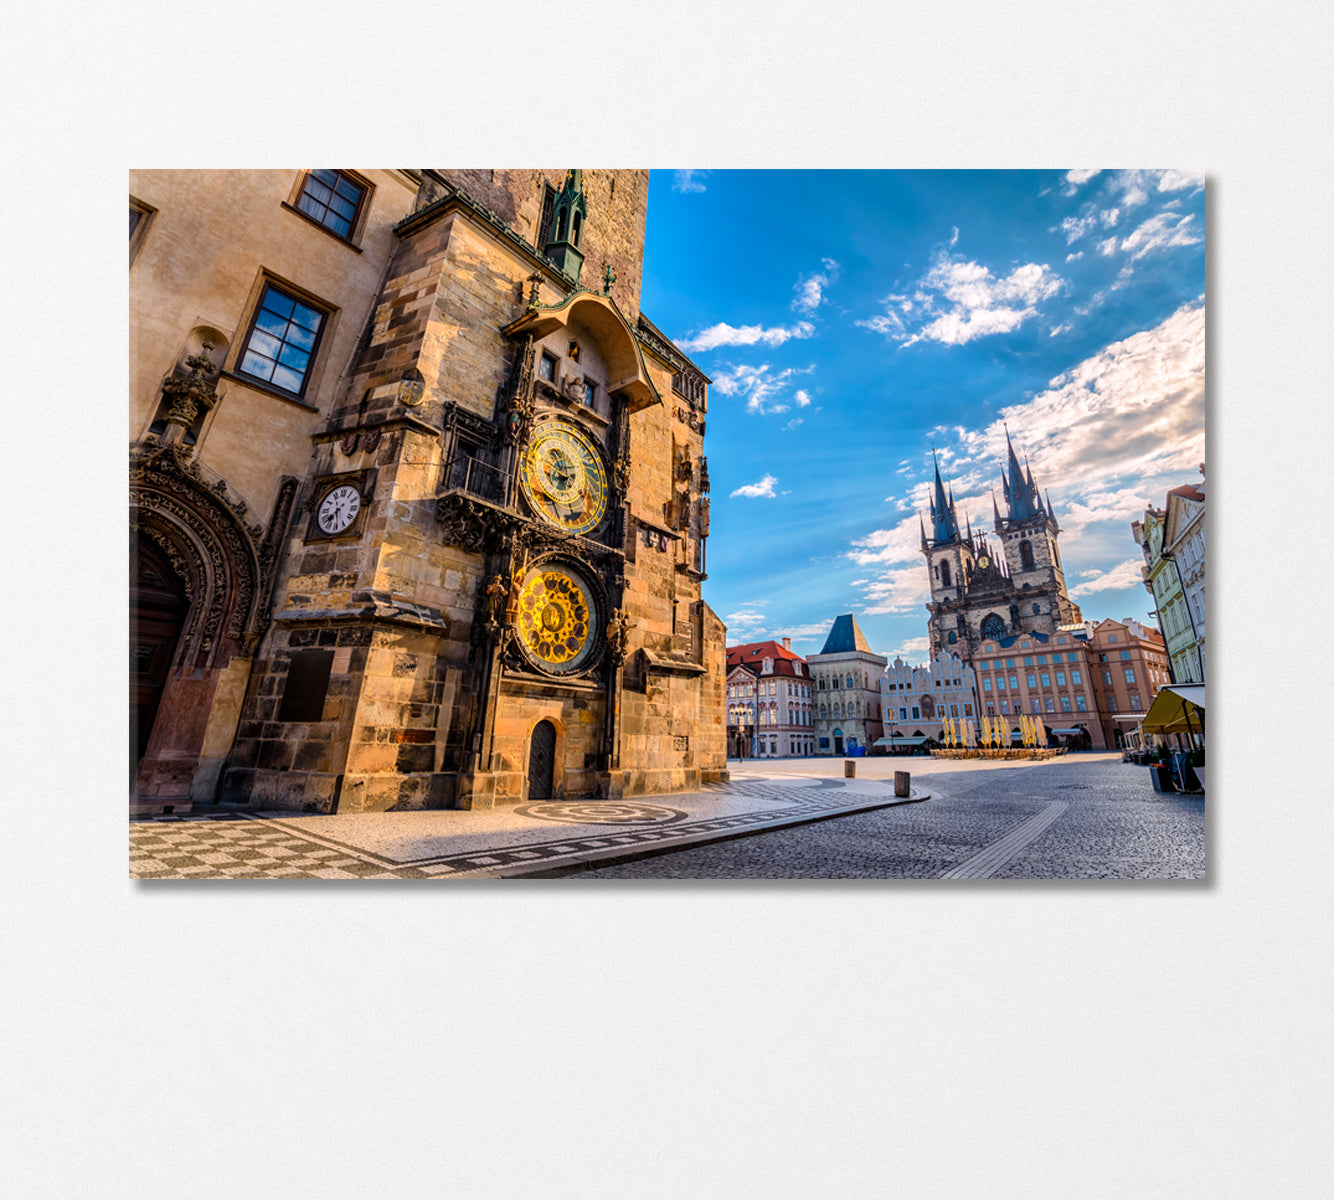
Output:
x,y
838,741
158,606
541,761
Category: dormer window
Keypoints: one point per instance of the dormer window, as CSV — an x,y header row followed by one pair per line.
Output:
x,y
768,666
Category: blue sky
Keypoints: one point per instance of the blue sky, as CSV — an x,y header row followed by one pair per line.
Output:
x,y
850,320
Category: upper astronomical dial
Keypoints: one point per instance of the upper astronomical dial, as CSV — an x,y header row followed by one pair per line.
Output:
x,y
563,477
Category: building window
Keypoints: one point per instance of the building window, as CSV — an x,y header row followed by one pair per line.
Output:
x,y
1009,662
1134,701
1037,705
1046,679
590,392
1107,678
1028,661
282,340
1060,678
306,685
1111,637
1026,555
1130,675
546,368
1005,708
1014,683
915,715
1037,608
141,216
954,710
945,574
1080,704
953,637
1065,703
986,685
1032,681
333,199
903,714
1051,704
1042,660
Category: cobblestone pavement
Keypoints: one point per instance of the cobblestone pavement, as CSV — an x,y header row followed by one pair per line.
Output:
x,y
525,839
1081,817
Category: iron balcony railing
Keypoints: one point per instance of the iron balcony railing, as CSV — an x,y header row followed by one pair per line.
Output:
x,y
476,478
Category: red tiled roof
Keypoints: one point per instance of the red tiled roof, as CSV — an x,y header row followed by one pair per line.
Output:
x,y
757,652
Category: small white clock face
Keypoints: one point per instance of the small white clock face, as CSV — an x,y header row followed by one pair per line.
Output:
x,y
339,509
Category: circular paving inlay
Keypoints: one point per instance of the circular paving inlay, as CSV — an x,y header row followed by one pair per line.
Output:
x,y
600,812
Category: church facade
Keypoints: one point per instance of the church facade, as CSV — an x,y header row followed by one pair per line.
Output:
x,y
418,495
980,593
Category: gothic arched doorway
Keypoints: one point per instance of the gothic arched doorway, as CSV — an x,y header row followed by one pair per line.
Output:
x,y
541,761
838,741
158,605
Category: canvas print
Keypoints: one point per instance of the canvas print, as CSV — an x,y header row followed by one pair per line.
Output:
x,y
667,524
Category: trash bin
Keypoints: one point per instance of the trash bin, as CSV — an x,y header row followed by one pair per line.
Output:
x,y
1162,777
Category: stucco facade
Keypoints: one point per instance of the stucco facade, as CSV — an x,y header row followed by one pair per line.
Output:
x,y
846,697
782,697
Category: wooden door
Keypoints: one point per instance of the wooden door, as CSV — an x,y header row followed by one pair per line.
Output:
x,y
157,614
541,761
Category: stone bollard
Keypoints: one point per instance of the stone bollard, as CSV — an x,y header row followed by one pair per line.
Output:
x,y
902,783
850,769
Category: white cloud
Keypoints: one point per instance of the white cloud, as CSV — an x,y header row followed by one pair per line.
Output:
x,y
1074,180
1175,181
1124,575
796,421
909,650
1059,329
1078,254
967,301
723,334
810,288
802,399
1161,232
761,386
1075,228
1108,246
765,487
688,181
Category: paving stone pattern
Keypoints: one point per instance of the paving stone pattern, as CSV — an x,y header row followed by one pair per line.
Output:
x,y
1115,827
242,845
1077,819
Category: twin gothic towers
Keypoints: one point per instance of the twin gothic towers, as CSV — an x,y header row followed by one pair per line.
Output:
x,y
979,594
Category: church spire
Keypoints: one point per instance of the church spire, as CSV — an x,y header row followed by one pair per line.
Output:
x,y
1020,494
945,525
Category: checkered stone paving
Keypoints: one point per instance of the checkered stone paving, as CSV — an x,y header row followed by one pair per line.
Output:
x,y
250,845
236,846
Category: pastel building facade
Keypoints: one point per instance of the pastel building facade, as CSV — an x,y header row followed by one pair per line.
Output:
x,y
847,707
782,695
916,700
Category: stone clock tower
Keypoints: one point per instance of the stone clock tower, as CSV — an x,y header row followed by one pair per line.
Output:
x,y
491,592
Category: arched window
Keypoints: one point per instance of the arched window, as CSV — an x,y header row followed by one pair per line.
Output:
x,y
945,573
1037,608
1026,555
993,628
953,637
822,683
850,683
